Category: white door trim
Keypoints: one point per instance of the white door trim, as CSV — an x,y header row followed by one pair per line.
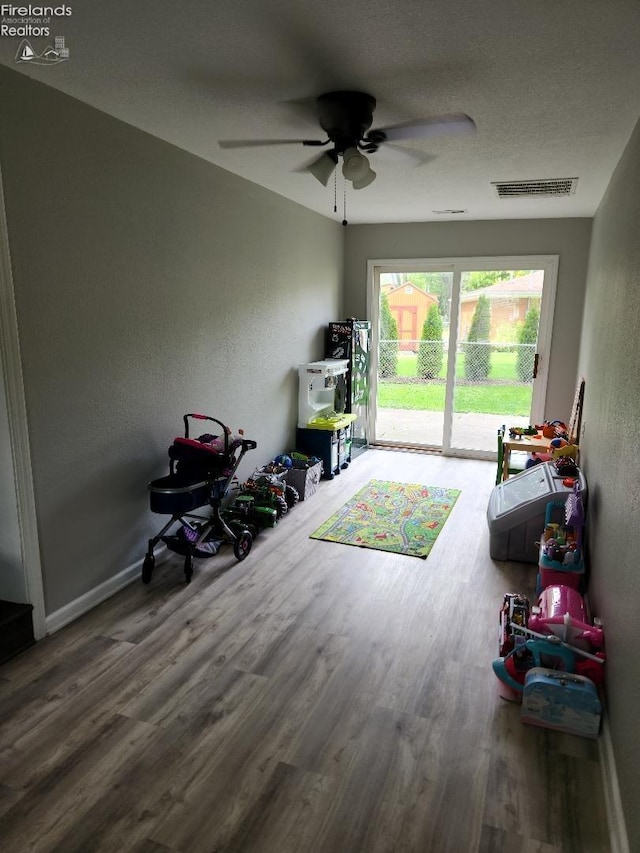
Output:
x,y
454,322
18,430
548,263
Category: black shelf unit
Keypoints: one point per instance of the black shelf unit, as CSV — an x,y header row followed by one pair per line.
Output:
x,y
334,447
351,339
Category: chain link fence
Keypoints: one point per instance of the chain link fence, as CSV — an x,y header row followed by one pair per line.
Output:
x,y
473,362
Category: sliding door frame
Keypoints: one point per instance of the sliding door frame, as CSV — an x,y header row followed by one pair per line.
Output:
x,y
458,265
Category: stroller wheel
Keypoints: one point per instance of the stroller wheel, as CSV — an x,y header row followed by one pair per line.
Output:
x,y
148,567
188,568
242,545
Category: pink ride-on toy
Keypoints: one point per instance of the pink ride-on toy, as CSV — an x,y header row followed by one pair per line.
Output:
x,y
558,635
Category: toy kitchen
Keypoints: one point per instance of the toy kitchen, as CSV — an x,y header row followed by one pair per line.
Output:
x,y
324,427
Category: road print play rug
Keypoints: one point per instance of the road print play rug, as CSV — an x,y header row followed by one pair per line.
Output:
x,y
405,518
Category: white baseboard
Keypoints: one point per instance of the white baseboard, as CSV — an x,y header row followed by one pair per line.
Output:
x,y
74,609
613,802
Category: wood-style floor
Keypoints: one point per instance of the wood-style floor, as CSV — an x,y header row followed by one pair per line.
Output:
x,y
315,698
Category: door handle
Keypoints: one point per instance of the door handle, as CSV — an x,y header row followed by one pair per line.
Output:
x,y
536,359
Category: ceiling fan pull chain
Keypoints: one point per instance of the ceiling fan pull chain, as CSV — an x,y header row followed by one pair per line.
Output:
x,y
335,192
344,207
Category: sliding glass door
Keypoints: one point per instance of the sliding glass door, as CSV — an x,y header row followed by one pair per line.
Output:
x,y
460,347
414,308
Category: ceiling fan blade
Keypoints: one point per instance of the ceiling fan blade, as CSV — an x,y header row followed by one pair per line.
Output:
x,y
256,143
456,123
421,158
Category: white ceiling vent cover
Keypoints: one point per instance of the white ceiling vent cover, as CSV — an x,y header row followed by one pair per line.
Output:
x,y
536,189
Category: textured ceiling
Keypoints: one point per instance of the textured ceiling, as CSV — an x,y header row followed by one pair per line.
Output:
x,y
554,89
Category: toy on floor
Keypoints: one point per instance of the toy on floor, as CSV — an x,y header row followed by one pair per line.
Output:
x,y
527,653
276,484
303,460
515,609
540,643
561,559
562,702
561,611
549,652
269,491
247,512
561,548
286,461
516,512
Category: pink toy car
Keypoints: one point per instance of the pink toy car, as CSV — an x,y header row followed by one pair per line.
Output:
x,y
561,611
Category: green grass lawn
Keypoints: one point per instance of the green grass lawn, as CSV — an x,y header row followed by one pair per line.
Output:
x,y
483,399
503,365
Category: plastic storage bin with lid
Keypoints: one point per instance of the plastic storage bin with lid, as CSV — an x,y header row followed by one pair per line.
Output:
x,y
517,510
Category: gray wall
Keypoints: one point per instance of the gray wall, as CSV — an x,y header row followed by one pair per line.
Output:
x,y
609,363
148,284
568,238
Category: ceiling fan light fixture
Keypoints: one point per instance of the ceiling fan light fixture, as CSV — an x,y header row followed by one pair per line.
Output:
x,y
323,167
355,166
369,178
346,117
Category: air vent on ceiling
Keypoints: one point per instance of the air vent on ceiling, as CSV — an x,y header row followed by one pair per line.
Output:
x,y
536,189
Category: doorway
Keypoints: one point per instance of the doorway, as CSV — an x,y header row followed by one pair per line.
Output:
x,y
478,358
21,576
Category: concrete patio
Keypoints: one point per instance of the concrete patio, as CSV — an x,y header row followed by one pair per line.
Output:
x,y
470,431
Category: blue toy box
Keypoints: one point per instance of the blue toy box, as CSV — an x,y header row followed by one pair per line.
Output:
x,y
561,701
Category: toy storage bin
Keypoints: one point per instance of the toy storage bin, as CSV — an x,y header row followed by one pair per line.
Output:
x,y
331,444
304,480
516,511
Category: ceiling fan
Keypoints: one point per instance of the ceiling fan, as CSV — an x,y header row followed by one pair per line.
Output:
x,y
346,118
